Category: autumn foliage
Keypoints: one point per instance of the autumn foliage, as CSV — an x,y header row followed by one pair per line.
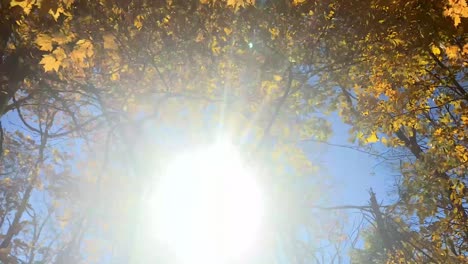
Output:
x,y
80,80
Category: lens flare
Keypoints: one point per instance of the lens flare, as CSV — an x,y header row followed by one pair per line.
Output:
x,y
208,207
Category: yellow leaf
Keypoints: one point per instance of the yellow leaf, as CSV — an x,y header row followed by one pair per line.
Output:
x,y
61,38
83,49
397,41
6,181
200,37
10,46
456,9
452,52
464,119
372,138
239,3
460,187
109,42
269,88
214,46
462,152
435,50
274,32
68,3
117,10
115,76
44,42
138,23
385,141
25,5
59,54
277,78
297,2
227,31
50,63
57,13
359,136
21,4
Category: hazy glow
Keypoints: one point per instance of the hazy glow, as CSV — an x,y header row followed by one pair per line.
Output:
x,y
209,207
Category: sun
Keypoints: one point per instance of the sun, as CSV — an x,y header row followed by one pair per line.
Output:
x,y
208,206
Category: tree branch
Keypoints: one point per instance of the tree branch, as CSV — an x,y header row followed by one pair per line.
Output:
x,y
278,108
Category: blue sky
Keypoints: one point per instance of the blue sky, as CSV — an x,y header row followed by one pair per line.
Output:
x,y
350,173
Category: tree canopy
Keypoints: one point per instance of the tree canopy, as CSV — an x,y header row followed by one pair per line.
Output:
x,y
82,83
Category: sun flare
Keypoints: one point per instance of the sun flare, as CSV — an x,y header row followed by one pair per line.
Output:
x,y
208,206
